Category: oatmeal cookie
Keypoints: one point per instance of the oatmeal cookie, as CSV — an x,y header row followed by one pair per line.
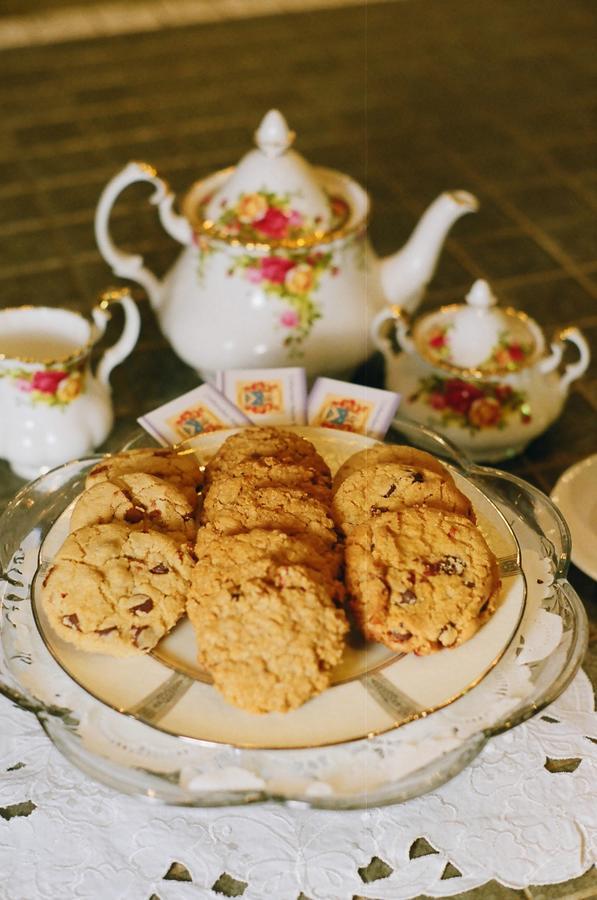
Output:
x,y
420,579
268,471
388,486
140,500
256,443
233,505
179,468
114,590
389,453
270,643
224,559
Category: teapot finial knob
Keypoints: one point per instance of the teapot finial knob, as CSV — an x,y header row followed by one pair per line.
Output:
x,y
273,137
480,295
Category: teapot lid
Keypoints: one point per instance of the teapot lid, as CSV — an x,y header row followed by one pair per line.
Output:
x,y
478,339
273,196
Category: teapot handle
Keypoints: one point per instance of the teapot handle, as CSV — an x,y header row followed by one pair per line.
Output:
x,y
574,370
129,265
115,354
397,315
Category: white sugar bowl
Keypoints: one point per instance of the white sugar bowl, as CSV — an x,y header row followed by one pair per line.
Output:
x,y
477,373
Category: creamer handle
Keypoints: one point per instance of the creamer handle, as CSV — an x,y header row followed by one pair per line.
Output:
x,y
115,354
129,265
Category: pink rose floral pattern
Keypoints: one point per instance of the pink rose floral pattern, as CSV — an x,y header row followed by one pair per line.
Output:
x,y
291,276
53,387
506,356
267,217
293,279
472,406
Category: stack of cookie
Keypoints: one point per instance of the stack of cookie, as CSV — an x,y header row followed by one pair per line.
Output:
x,y
266,596
119,582
419,573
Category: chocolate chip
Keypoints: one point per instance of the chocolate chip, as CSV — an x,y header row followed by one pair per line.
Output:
x,y
133,515
188,517
469,584
484,607
539,581
390,491
399,636
418,478
155,514
447,565
409,597
144,607
377,510
160,569
71,621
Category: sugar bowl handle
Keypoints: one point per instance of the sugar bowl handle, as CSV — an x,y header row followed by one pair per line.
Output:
x,y
129,265
118,352
573,370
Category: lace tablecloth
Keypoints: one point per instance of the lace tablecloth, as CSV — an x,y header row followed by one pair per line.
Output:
x,y
518,814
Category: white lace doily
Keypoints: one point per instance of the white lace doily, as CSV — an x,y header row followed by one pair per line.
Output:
x,y
510,815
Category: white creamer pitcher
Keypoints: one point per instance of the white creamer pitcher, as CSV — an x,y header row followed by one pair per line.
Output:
x,y
52,407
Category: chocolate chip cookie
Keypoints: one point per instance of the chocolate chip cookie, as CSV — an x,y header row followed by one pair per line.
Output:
x,y
389,453
178,467
420,579
140,500
389,486
115,590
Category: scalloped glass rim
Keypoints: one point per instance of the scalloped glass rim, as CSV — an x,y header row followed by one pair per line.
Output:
x,y
526,505
349,711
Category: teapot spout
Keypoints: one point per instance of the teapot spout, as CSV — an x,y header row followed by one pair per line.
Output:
x,y
405,274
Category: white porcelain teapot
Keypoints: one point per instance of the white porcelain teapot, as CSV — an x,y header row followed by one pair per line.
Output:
x,y
277,269
478,374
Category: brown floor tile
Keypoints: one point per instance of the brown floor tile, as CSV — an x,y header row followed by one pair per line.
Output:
x,y
557,301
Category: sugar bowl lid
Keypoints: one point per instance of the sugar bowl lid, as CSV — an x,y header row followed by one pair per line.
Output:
x,y
477,338
273,196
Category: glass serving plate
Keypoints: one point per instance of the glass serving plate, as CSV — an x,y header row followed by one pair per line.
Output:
x,y
390,728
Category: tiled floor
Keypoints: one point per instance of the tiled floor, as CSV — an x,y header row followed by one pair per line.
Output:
x,y
408,97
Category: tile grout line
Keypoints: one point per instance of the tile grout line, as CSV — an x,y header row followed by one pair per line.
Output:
x,y
544,157
526,225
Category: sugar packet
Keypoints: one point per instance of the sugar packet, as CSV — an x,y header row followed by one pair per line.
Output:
x,y
351,407
267,396
198,411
